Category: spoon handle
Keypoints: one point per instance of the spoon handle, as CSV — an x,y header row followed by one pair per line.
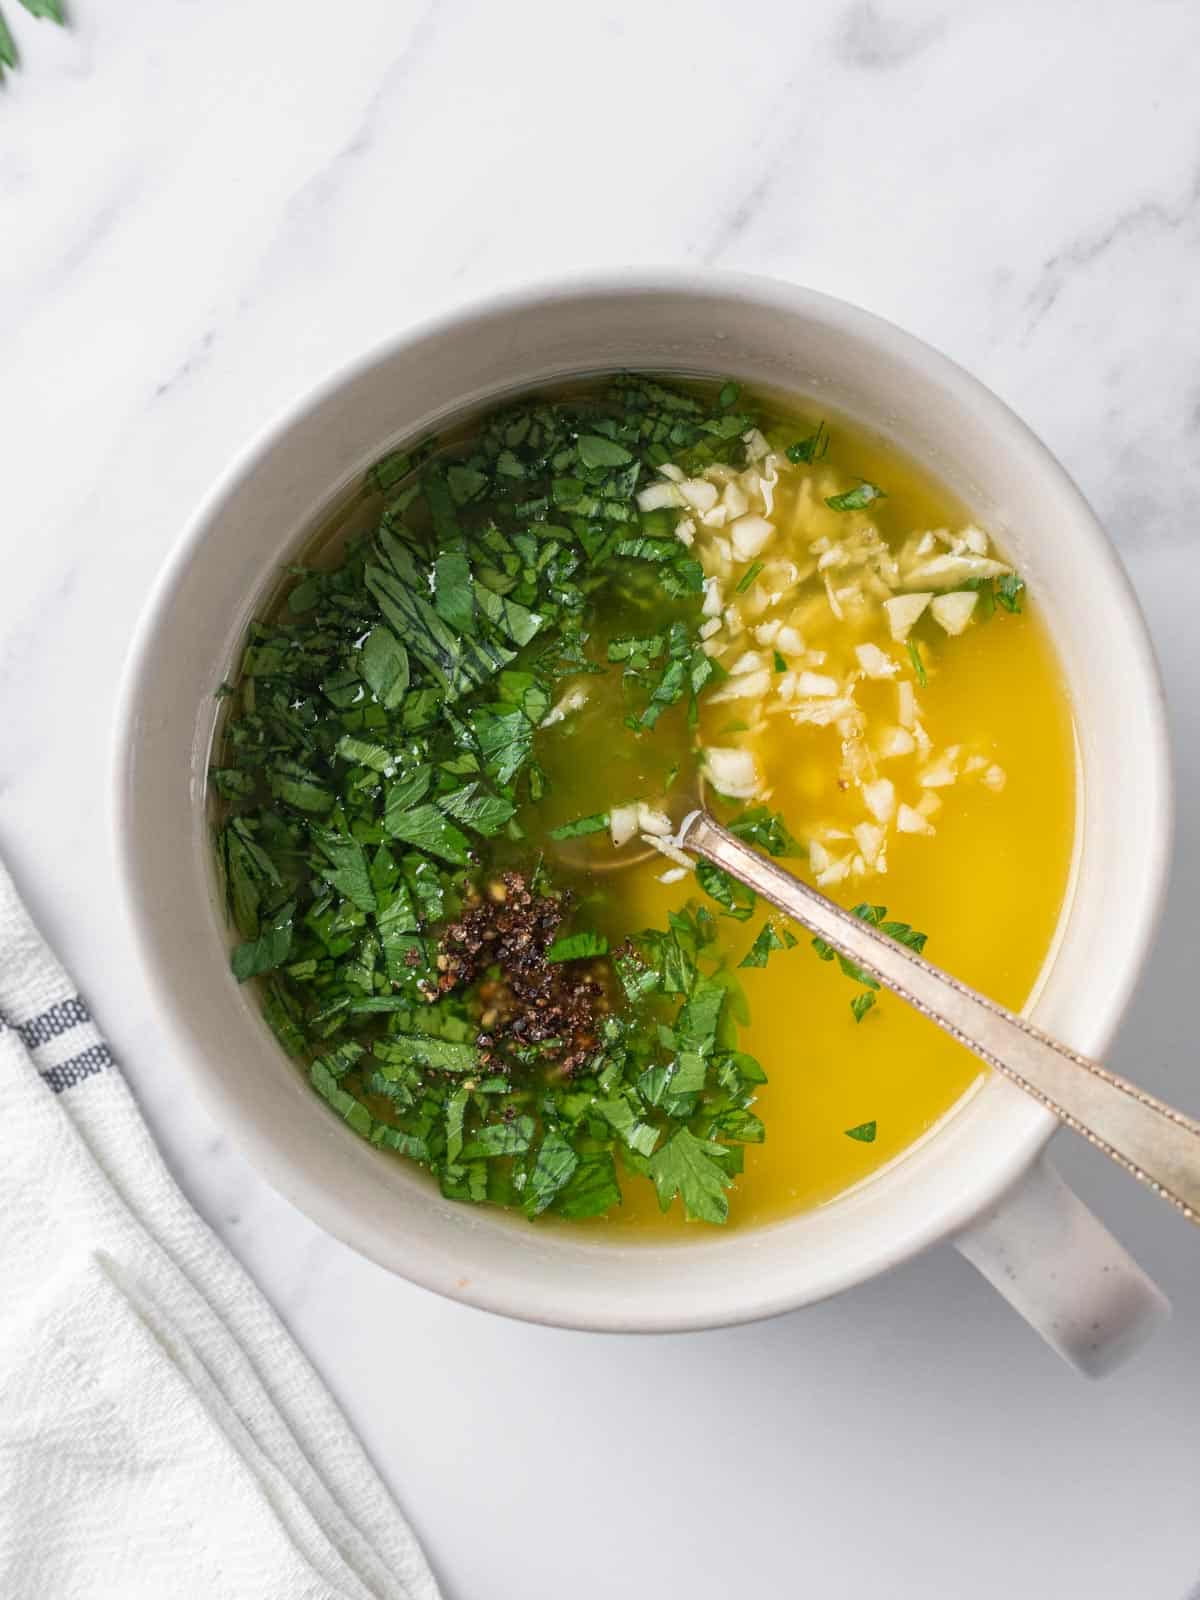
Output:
x,y
1158,1145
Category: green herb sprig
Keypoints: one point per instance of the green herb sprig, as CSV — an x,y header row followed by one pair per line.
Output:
x,y
9,56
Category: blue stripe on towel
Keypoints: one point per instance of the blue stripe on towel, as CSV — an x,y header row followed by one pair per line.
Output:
x,y
52,1023
60,1018
96,1058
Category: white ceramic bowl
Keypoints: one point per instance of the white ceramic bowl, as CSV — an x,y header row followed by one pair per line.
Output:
x,y
979,1171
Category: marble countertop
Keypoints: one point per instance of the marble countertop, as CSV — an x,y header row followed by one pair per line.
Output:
x,y
205,208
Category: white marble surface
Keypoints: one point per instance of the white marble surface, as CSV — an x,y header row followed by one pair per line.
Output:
x,y
204,207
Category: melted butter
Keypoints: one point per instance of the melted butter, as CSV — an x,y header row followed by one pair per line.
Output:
x,y
987,888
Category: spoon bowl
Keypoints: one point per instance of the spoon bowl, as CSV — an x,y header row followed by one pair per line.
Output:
x,y
598,853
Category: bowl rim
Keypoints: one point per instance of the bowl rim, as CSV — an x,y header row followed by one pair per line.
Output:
x,y
1023,1142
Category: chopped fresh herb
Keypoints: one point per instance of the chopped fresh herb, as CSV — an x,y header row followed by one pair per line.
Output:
x,y
855,499
344,1103
812,448
304,596
759,952
454,591
476,808
985,588
378,762
759,826
862,1003
501,1139
902,932
865,1133
403,793
465,483
746,581
269,950
504,739
698,1171
442,1055
1005,591
1009,589
292,783
918,666
736,899
365,753
347,869
577,947
597,452
780,663
390,470
581,826
428,829
592,1188
553,1169
642,651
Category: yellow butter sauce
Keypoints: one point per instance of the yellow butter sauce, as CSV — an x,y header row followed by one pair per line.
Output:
x,y
987,888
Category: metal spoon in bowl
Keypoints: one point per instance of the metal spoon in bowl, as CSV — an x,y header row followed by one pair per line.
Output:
x,y
1159,1146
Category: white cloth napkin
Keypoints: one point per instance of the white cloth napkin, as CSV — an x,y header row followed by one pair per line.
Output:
x,y
160,1434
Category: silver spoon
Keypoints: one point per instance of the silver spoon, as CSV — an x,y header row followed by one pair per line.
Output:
x,y
1158,1145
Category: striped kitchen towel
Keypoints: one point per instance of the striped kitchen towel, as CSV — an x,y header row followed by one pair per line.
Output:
x,y
160,1433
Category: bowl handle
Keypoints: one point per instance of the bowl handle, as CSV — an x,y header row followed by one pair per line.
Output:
x,y
1059,1266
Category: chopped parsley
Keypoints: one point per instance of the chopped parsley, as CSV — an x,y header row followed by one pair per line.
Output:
x,y
378,775
577,947
596,823
746,581
1008,591
729,893
855,499
864,1133
862,1003
766,829
902,932
698,1169
811,448
1005,592
765,942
